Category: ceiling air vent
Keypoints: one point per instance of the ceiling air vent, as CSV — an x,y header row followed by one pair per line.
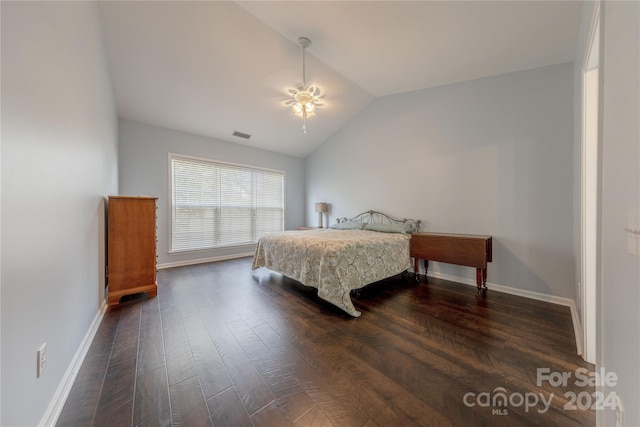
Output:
x,y
241,135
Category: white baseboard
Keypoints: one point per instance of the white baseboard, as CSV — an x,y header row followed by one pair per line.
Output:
x,y
64,388
203,260
577,328
568,302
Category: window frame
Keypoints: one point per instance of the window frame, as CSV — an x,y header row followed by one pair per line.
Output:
x,y
171,156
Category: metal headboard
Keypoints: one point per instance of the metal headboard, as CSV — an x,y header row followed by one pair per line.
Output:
x,y
379,217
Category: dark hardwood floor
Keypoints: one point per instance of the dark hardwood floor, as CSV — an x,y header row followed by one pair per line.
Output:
x,y
226,346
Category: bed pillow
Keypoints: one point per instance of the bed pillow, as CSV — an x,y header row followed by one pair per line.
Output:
x,y
410,227
347,225
385,228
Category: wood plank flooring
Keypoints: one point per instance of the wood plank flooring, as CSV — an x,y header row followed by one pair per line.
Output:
x,y
223,345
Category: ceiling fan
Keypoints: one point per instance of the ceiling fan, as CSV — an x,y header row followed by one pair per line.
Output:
x,y
305,99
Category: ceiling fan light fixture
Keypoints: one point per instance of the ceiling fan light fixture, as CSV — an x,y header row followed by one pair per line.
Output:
x,y
304,105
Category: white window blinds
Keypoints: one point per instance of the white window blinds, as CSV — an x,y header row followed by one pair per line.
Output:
x,y
217,204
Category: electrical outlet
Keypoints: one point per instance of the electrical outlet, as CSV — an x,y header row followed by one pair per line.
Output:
x,y
41,358
619,412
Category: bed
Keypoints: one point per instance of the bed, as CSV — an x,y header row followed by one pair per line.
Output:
x,y
346,256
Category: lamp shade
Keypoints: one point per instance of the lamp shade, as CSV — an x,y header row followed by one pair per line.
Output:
x,y
321,207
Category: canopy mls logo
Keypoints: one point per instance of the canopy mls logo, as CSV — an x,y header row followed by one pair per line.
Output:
x,y
500,400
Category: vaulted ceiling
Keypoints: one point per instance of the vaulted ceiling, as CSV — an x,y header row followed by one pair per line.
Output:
x,y
212,68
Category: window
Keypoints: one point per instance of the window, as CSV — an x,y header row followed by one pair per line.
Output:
x,y
215,204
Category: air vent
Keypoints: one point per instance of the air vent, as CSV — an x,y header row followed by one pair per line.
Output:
x,y
241,135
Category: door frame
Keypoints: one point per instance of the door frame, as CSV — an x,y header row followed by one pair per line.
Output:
x,y
591,122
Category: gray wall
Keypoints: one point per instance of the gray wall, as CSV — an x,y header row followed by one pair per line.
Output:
x,y
489,156
619,317
144,169
59,154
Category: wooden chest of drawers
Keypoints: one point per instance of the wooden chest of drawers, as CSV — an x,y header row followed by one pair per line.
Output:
x,y
131,241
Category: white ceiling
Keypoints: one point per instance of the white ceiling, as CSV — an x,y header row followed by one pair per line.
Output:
x,y
212,68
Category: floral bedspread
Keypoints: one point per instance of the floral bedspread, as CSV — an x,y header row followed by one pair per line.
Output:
x,y
334,261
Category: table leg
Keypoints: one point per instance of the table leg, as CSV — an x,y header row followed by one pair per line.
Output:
x,y
481,278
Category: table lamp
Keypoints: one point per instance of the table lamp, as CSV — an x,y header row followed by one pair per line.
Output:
x,y
320,208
